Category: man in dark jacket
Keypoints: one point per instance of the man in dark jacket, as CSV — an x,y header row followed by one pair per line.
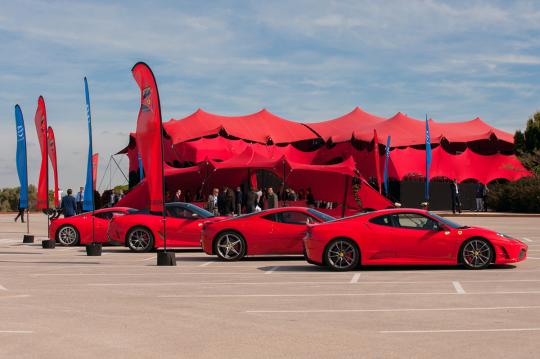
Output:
x,y
454,192
272,199
238,200
251,201
69,204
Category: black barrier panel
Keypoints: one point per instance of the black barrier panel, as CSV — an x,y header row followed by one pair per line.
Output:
x,y
412,195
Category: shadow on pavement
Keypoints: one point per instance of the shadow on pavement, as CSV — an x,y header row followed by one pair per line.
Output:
x,y
315,268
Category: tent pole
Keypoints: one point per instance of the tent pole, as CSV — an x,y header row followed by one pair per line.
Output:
x,y
117,165
284,200
345,196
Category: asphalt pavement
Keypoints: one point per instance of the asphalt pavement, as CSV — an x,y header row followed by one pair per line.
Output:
x,y
59,303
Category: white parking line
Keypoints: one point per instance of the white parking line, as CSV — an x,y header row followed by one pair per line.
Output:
x,y
337,294
389,310
206,264
149,258
459,289
271,270
355,278
527,239
532,257
458,330
3,288
16,331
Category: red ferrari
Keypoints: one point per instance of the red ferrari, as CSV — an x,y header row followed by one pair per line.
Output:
x,y
273,231
407,236
77,230
143,231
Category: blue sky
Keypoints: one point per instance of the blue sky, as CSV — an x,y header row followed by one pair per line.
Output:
x,y
303,60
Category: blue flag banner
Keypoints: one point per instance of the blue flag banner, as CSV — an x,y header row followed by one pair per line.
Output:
x,y
141,171
88,201
21,158
428,158
387,157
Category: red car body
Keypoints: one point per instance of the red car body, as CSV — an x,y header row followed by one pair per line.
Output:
x,y
80,226
409,236
273,231
183,225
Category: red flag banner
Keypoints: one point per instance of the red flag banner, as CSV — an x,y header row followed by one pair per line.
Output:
x,y
41,127
95,159
52,156
149,134
377,158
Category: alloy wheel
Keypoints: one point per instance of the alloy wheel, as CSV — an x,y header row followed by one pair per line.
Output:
x,y
139,240
476,254
67,236
230,246
342,255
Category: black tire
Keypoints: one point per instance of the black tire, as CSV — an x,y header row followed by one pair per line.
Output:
x,y
476,253
341,255
230,246
140,239
67,235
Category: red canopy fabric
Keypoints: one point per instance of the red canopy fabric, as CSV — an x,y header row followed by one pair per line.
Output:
x,y
341,129
261,127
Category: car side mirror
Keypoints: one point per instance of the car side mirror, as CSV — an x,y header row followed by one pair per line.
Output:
x,y
442,227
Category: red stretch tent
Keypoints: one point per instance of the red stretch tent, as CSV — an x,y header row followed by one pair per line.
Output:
x,y
341,129
261,127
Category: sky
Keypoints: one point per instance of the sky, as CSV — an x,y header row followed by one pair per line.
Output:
x,y
303,60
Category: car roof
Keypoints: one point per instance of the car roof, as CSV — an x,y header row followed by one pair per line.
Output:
x,y
110,209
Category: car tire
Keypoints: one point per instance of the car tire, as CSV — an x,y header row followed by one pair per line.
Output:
x,y
67,235
230,246
140,240
476,253
341,255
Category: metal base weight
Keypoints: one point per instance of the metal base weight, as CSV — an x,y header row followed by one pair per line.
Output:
x,y
93,249
48,244
28,238
166,258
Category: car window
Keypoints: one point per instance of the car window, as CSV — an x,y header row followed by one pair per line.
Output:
x,y
271,217
415,221
108,214
179,212
382,220
293,217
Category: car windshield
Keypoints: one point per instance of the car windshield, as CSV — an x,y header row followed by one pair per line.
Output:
x,y
203,213
448,222
323,216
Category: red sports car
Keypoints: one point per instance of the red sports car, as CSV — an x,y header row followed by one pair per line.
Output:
x,y
143,231
77,230
407,236
273,231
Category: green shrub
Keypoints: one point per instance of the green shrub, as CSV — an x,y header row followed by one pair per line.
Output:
x,y
519,196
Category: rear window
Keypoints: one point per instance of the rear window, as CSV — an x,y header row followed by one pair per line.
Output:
x,y
382,220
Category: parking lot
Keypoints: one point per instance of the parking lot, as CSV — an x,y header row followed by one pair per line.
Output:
x,y
60,303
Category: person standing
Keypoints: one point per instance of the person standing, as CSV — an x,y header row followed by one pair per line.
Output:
x,y
178,196
310,199
479,197
212,204
484,198
238,197
229,204
454,192
69,205
251,200
271,199
80,199
20,212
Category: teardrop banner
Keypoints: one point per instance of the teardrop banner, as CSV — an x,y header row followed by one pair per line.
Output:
x,y
40,120
52,156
